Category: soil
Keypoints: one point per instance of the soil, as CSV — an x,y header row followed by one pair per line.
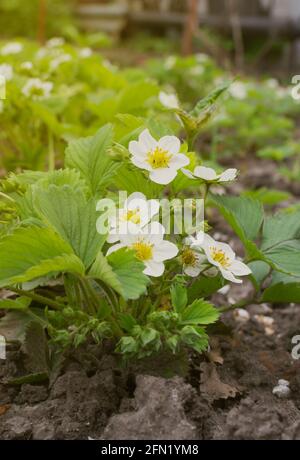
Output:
x,y
226,393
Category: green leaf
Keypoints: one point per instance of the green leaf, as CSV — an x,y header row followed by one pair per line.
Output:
x,y
283,227
282,293
122,271
199,312
32,252
195,338
260,271
38,377
132,98
126,321
204,287
267,196
73,217
91,157
21,303
133,180
127,345
281,242
149,335
244,215
179,297
206,104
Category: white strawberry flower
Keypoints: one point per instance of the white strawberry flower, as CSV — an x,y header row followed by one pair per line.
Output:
x,y
210,175
136,212
6,71
11,48
161,158
192,260
170,101
150,247
37,89
221,256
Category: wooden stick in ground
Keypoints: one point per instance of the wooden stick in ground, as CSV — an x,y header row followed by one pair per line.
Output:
x,y
237,33
190,27
42,21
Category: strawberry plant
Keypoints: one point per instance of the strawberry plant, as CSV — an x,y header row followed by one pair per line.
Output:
x,y
103,249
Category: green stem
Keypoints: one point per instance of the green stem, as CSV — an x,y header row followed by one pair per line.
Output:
x,y
51,152
38,298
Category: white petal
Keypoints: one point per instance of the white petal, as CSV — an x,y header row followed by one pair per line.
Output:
x,y
170,143
163,176
179,160
154,232
114,248
205,173
192,271
228,175
153,206
136,196
154,268
239,268
140,163
211,272
229,276
112,238
165,250
146,141
136,149
188,173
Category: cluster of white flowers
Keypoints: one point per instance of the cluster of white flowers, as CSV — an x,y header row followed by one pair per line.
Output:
x,y
133,228
11,48
6,71
37,89
203,253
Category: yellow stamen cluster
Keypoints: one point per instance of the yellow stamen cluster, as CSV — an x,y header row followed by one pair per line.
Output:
x,y
159,158
219,256
188,257
133,215
143,250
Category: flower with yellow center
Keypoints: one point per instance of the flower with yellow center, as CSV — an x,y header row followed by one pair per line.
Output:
x,y
150,247
144,251
192,261
161,158
136,212
221,256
